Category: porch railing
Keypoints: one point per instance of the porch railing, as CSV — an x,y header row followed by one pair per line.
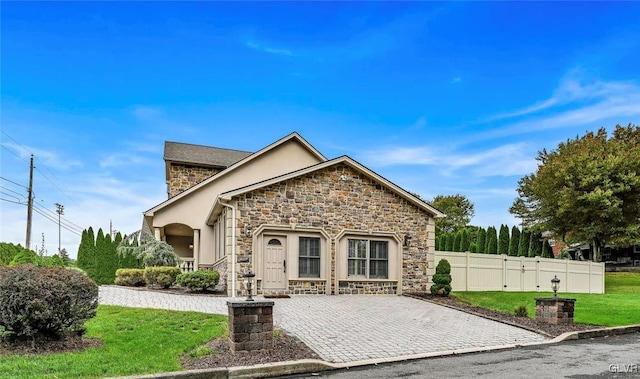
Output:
x,y
187,264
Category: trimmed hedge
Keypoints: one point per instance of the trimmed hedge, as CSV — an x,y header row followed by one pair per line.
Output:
x,y
198,280
442,279
45,302
161,276
131,277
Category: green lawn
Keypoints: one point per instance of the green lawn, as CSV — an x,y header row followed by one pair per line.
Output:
x,y
620,305
135,341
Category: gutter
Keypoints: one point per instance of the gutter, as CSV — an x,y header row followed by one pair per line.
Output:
x,y
233,245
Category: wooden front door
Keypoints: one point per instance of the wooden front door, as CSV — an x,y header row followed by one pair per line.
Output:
x,y
275,265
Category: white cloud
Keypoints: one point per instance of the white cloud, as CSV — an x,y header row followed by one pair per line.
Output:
x,y
577,101
49,158
267,49
504,160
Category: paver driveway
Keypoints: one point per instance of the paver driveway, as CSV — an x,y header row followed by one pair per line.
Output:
x,y
353,327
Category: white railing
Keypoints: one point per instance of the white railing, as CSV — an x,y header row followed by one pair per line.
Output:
x,y
489,272
187,264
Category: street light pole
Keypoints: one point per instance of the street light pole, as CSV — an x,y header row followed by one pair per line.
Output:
x,y
60,212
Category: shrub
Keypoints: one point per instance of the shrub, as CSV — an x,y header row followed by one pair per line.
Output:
x,y
442,279
53,261
25,257
132,277
45,302
161,276
521,311
198,280
564,254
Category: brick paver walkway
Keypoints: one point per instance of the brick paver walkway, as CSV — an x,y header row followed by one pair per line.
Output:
x,y
353,327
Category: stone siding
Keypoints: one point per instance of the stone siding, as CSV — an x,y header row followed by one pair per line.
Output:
x,y
221,267
183,177
367,288
307,287
336,199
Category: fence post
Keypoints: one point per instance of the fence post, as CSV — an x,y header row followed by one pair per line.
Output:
x,y
504,272
566,270
537,273
466,273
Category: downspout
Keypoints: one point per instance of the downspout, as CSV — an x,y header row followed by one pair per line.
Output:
x,y
233,246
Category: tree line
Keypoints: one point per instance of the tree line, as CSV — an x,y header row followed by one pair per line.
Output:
x,y
512,242
98,255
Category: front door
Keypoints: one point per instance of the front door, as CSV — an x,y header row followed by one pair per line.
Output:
x,y
275,265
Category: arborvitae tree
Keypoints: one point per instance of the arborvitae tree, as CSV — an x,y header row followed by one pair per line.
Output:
x,y
473,247
86,251
514,241
481,240
547,251
465,240
101,251
492,246
491,233
535,246
441,242
503,240
457,241
450,241
523,245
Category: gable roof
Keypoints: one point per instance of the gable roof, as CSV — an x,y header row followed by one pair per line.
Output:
x,y
202,155
226,196
293,136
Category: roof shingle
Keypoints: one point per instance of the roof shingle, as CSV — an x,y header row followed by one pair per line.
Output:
x,y
202,155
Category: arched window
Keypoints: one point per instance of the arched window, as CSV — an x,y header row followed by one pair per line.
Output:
x,y
274,241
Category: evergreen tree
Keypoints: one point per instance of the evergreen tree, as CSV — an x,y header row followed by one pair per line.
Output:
x,y
514,242
86,251
535,246
491,233
481,240
492,246
465,240
441,242
547,251
450,241
98,272
457,242
503,240
523,245
473,247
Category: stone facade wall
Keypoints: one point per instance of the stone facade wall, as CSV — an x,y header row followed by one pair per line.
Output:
x,y
367,288
250,325
307,287
183,177
221,267
335,199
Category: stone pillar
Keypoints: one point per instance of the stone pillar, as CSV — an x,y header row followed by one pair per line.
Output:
x,y
250,325
196,249
555,310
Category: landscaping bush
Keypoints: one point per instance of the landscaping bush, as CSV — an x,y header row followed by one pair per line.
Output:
x,y
25,257
45,302
521,311
198,280
132,277
442,279
161,276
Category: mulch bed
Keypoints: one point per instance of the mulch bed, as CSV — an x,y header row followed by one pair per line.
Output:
x,y
550,330
285,348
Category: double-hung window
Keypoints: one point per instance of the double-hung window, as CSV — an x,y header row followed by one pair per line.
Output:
x,y
309,257
368,259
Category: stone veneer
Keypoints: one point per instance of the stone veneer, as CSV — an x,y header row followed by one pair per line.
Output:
x,y
339,198
183,177
367,288
250,325
555,310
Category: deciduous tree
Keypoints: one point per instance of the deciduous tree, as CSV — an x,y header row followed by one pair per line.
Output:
x,y
587,189
459,211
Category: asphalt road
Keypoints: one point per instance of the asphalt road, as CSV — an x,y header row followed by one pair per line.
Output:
x,y
603,357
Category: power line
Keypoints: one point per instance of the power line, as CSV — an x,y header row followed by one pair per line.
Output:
x,y
10,195
11,201
54,214
11,181
10,190
14,153
56,221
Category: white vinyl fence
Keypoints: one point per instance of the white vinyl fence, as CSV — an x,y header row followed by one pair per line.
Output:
x,y
488,272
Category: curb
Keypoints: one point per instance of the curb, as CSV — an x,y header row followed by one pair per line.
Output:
x,y
269,370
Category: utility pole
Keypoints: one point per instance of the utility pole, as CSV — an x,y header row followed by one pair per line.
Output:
x,y
60,212
29,205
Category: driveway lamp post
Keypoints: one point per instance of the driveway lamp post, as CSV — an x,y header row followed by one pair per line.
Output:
x,y
555,285
249,282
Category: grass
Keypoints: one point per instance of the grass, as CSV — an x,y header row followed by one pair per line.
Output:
x,y
135,341
620,305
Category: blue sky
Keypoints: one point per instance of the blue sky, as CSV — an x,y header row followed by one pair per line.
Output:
x,y
441,98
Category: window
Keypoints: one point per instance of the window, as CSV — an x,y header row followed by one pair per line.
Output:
x,y
309,257
368,258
